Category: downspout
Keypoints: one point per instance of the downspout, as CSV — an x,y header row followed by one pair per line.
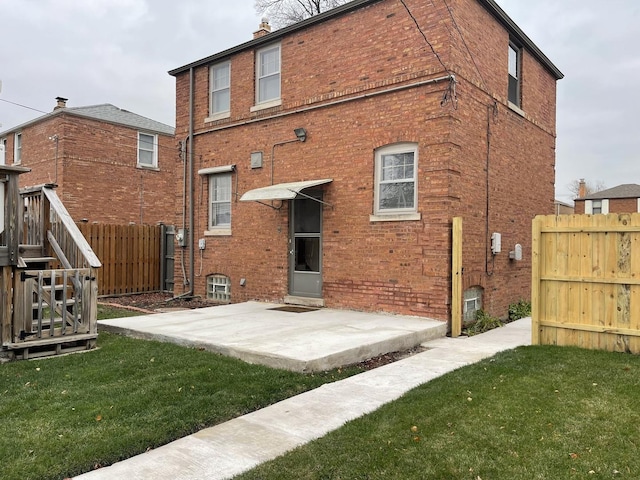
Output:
x,y
191,194
490,109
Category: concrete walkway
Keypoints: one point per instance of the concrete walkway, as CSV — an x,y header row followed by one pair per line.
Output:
x,y
236,446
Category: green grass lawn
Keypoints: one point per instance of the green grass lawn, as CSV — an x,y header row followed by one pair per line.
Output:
x,y
530,413
64,415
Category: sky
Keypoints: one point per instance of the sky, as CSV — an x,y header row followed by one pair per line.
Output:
x,y
119,52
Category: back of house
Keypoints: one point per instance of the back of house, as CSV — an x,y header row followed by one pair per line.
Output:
x,y
324,162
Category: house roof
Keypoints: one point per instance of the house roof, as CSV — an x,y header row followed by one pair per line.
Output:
x,y
627,190
106,113
490,5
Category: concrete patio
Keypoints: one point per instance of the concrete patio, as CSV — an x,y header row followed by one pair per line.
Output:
x,y
303,340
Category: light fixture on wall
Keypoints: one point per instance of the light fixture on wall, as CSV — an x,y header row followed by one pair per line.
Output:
x,y
301,133
301,136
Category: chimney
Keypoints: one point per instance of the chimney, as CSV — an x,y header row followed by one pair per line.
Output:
x,y
263,29
582,188
62,103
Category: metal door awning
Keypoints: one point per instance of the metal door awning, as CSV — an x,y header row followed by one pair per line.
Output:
x,y
283,191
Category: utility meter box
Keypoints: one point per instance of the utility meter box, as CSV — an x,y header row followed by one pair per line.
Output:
x,y
181,237
496,243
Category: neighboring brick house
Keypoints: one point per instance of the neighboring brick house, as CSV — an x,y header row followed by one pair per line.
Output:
x,y
621,199
110,165
394,140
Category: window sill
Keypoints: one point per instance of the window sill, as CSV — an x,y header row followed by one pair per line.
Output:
x,y
217,116
148,167
398,217
218,232
265,105
516,109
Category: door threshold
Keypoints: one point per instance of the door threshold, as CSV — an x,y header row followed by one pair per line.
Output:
x,y
304,301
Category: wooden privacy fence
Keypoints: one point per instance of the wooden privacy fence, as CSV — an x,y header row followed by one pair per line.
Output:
x,y
586,281
130,255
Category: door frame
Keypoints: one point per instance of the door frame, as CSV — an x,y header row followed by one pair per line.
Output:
x,y
316,197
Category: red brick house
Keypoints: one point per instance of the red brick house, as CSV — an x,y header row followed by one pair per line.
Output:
x,y
110,165
621,199
326,161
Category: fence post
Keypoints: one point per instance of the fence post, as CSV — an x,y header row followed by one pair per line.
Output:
x,y
536,233
456,278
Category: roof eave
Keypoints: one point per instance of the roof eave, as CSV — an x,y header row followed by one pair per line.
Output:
x,y
69,111
277,34
39,119
490,5
520,36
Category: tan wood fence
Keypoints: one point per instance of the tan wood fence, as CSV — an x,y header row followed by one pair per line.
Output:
x,y
130,255
586,281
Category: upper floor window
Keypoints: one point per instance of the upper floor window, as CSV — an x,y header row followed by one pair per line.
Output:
x,y
17,148
395,176
219,201
147,150
268,74
514,74
596,206
3,150
220,81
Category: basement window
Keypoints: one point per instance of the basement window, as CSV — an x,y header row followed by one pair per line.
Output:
x,y
219,288
472,303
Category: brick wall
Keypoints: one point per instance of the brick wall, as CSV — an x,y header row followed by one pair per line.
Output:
x,y
623,205
402,267
96,170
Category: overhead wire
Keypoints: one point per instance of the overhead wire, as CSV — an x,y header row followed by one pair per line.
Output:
x,y
424,36
464,42
450,93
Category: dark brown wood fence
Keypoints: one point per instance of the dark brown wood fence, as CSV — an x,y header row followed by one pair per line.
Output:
x,y
131,256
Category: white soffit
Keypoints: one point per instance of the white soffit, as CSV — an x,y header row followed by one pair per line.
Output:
x,y
281,191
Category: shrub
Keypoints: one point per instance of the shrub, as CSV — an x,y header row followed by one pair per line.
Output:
x,y
484,322
519,310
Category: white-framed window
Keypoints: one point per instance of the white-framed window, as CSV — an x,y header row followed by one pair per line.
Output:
x,y
3,151
220,81
147,150
396,168
594,207
219,202
17,148
515,56
219,288
268,74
